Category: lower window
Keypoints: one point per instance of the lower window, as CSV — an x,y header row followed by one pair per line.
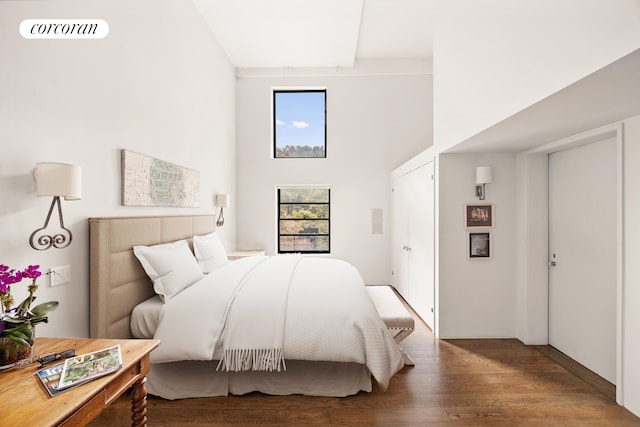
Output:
x,y
304,220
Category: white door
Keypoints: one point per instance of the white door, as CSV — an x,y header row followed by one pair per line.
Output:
x,y
421,256
413,240
401,231
582,255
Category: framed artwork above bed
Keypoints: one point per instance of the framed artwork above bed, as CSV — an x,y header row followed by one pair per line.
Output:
x,y
147,181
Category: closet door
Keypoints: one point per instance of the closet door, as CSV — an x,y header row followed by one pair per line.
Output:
x,y
401,233
421,255
413,240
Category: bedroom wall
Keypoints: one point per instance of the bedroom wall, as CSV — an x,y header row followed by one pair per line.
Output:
x,y
494,58
374,123
158,84
477,297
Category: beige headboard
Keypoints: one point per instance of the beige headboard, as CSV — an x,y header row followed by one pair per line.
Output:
x,y
117,282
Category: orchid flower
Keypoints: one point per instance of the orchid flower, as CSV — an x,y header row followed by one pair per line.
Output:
x,y
14,320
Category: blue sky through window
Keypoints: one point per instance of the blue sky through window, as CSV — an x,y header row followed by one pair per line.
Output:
x,y
299,118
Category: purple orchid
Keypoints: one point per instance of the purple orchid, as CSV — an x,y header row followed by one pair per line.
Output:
x,y
9,276
31,272
17,322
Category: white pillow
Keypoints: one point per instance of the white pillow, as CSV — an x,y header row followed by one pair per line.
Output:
x,y
171,267
210,252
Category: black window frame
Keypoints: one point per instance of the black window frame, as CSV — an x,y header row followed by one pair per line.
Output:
x,y
328,219
275,119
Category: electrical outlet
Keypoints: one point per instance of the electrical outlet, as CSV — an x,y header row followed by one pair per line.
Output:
x,y
60,275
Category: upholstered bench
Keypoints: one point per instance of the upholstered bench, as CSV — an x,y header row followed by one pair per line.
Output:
x,y
393,312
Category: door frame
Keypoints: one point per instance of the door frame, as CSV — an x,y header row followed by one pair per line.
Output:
x,y
606,132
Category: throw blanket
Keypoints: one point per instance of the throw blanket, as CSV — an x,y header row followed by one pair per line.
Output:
x,y
192,323
253,334
329,317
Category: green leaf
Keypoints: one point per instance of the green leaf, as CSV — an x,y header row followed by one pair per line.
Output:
x,y
22,332
41,310
37,320
19,340
26,330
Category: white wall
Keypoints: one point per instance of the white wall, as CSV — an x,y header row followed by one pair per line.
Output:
x,y
494,58
158,84
476,296
374,123
532,235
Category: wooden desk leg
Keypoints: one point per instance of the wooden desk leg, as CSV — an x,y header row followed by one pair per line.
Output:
x,y
139,403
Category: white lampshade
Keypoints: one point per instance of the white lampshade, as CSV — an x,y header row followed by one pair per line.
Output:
x,y
484,175
222,200
58,179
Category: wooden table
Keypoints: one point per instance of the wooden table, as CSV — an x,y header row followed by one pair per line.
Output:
x,y
25,402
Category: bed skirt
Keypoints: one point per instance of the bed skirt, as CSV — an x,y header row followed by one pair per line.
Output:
x,y
179,380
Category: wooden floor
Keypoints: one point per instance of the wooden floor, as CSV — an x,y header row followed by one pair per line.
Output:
x,y
455,382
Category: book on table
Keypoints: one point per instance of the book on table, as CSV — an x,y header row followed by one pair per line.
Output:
x,y
80,369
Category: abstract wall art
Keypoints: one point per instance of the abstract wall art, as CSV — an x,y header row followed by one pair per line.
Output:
x,y
147,181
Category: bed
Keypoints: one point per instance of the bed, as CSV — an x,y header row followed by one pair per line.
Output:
x,y
121,289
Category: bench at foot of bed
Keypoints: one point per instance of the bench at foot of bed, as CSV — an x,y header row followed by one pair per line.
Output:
x,y
395,315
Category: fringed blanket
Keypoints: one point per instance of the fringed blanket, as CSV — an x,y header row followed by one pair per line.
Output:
x,y
253,335
241,307
192,323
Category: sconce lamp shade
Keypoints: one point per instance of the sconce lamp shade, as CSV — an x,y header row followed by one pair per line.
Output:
x,y
58,179
484,175
222,200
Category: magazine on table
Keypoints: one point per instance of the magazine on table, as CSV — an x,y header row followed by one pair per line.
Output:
x,y
80,369
86,367
50,378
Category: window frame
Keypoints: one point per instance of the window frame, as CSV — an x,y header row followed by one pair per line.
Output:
x,y
274,119
279,219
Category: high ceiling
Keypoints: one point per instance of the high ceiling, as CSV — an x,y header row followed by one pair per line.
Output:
x,y
320,33
267,36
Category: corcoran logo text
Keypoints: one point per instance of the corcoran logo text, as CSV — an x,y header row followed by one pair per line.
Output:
x,y
64,28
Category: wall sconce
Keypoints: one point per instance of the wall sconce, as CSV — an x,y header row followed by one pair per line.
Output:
x,y
484,176
222,201
57,180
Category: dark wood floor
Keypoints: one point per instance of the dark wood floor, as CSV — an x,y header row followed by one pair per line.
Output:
x,y
455,382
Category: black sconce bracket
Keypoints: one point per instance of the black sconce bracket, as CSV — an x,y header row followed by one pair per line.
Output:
x,y
46,241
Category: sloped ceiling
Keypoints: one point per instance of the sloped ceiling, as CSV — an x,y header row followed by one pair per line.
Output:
x,y
319,33
609,95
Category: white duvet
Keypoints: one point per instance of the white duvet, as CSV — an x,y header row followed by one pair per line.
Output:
x,y
327,315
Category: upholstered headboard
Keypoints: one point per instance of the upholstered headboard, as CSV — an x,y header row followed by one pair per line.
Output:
x,y
117,282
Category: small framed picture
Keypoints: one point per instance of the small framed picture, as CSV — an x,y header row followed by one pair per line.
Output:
x,y
478,216
479,245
